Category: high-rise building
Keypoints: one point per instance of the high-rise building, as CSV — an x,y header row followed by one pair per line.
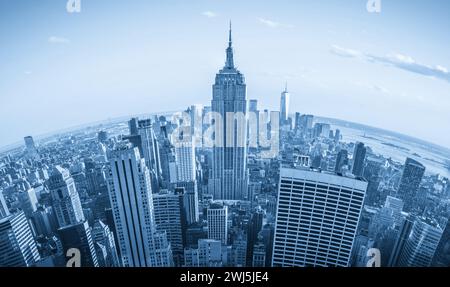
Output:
x,y
210,253
239,250
190,200
337,135
373,174
420,245
28,201
217,216
17,245
400,242
395,205
306,122
413,172
169,217
316,219
253,105
256,223
341,160
30,148
131,199
359,156
79,236
284,106
195,232
44,221
65,198
102,235
133,126
102,136
4,211
442,254
259,255
297,121
229,168
150,148
184,157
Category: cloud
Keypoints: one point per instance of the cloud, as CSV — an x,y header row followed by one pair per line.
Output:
x,y
407,63
209,14
344,52
380,89
273,24
399,61
58,40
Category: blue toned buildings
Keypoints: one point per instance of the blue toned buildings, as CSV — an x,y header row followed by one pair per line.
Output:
x,y
229,176
170,217
316,219
442,255
17,245
284,106
217,216
79,236
421,244
65,198
132,204
150,151
413,172
359,157
4,211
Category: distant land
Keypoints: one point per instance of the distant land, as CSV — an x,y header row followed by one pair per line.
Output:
x,y
443,151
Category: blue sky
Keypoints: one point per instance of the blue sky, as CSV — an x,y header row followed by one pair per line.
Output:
x,y
119,58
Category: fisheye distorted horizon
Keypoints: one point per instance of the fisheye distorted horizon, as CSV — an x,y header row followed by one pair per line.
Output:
x,y
117,58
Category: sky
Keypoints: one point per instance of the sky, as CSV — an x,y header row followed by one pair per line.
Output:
x,y
118,58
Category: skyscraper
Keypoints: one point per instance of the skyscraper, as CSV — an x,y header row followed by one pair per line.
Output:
x,y
101,234
316,219
253,105
190,200
28,201
442,255
44,221
150,149
79,236
359,156
132,203
217,216
297,121
185,157
17,245
421,244
413,172
341,160
65,198
284,106
133,126
4,211
400,242
229,167
30,148
169,217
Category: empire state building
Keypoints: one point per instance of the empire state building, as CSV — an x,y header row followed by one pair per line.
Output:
x,y
229,178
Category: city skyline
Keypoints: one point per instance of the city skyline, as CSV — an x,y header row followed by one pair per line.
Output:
x,y
232,182
373,69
